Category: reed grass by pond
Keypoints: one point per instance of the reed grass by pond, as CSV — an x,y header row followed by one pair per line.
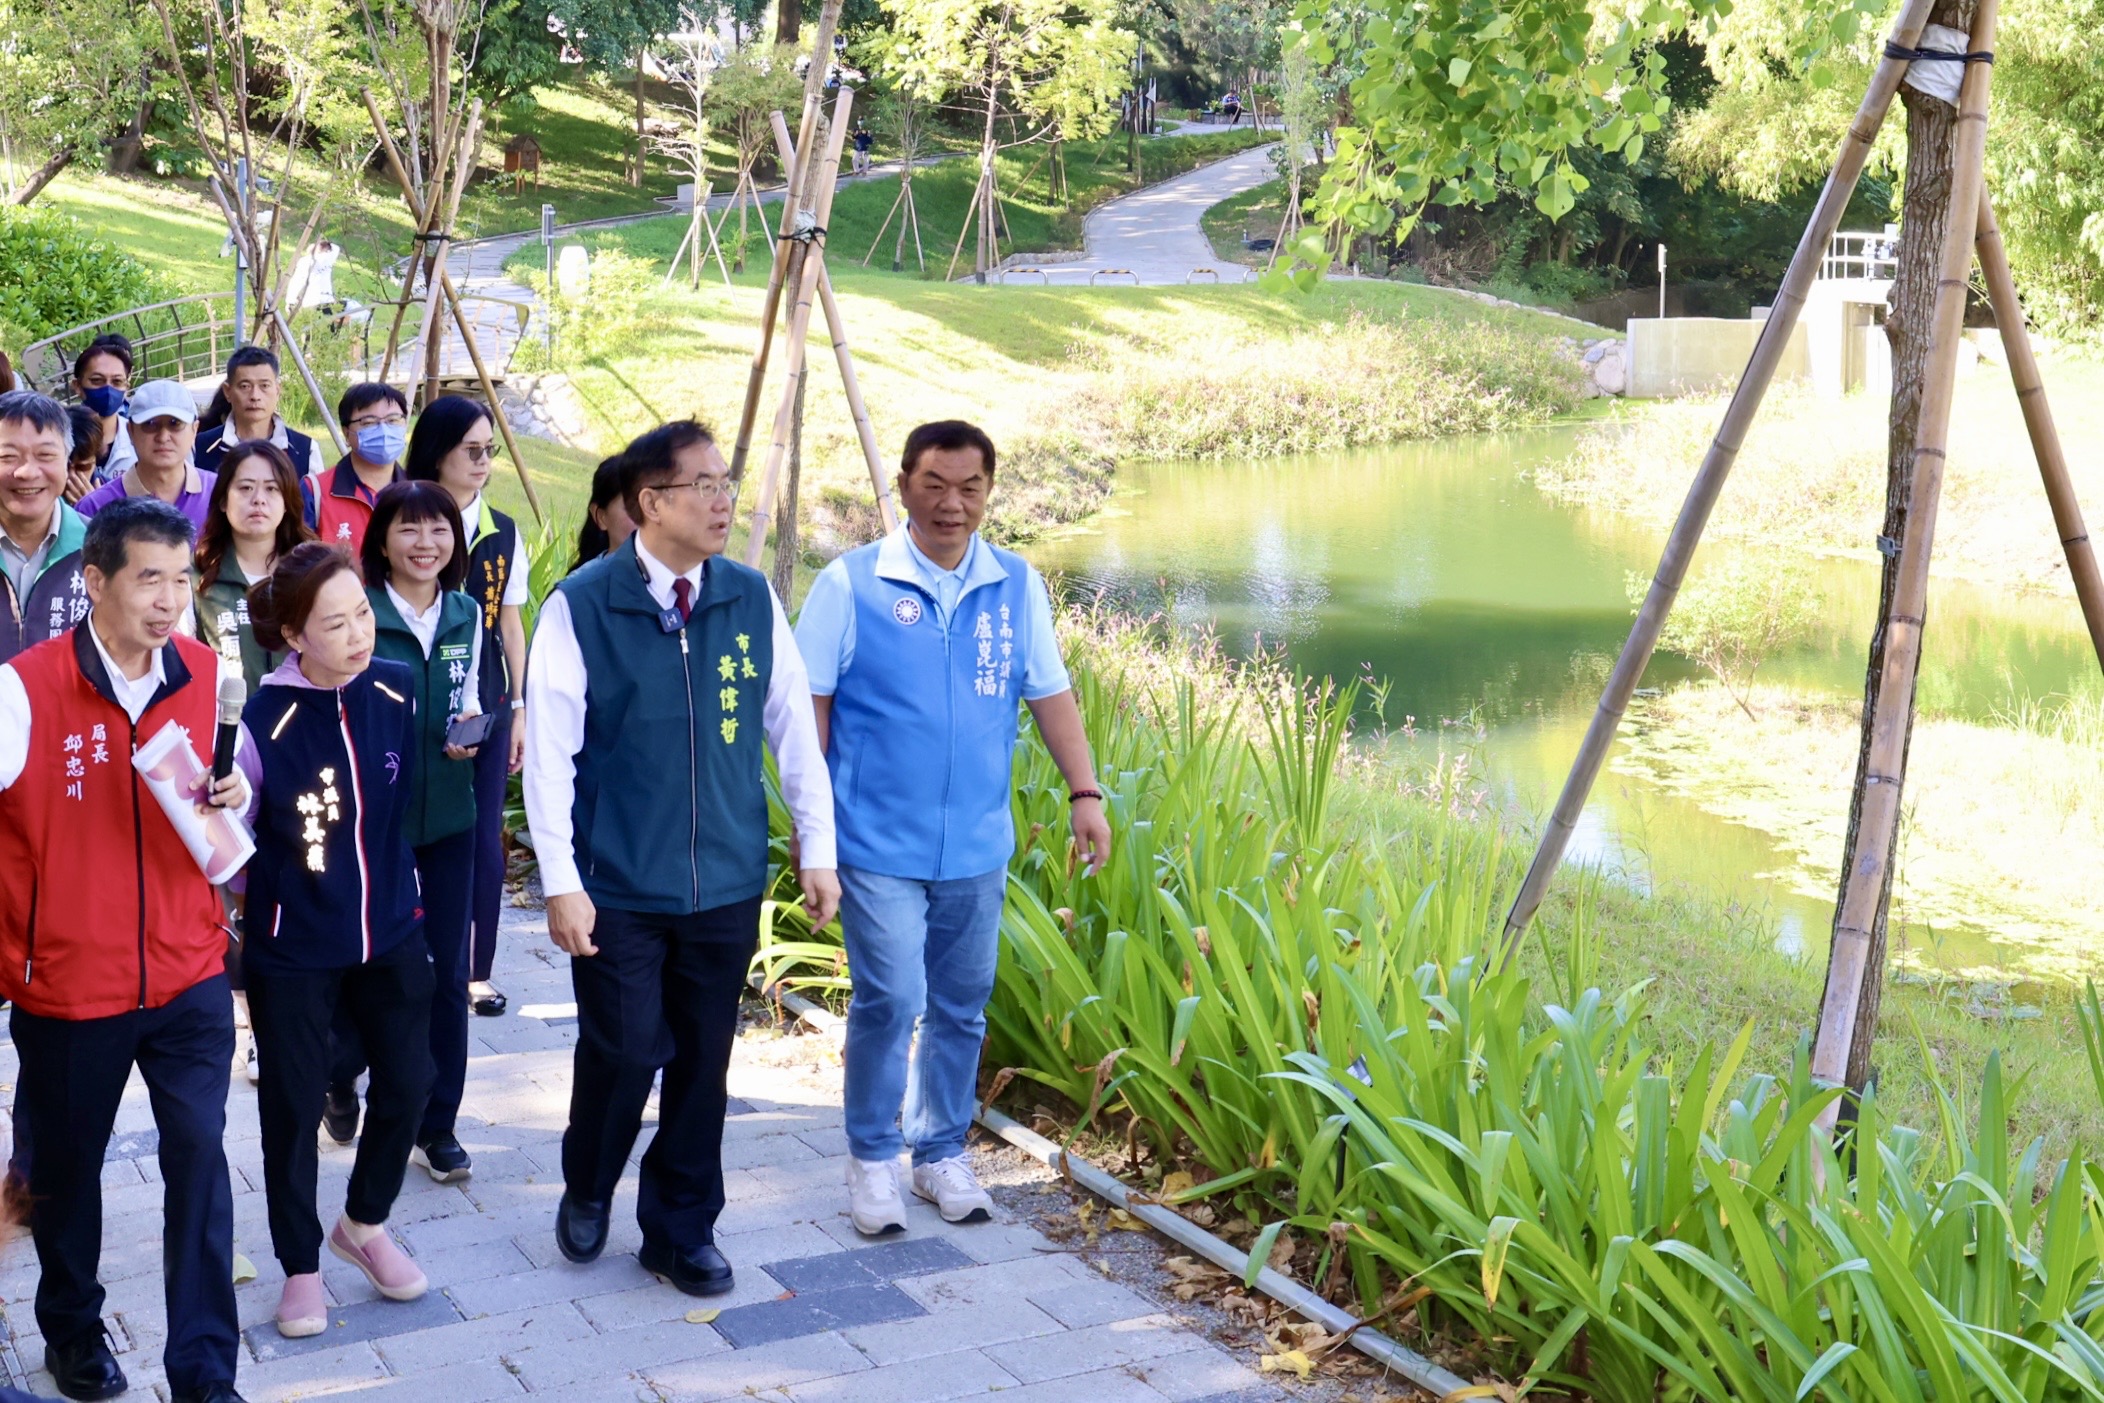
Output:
x,y
1550,1171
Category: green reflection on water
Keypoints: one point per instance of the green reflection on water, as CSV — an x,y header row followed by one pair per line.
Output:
x,y
1440,569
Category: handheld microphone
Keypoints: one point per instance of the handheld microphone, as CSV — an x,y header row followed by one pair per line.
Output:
x,y
233,693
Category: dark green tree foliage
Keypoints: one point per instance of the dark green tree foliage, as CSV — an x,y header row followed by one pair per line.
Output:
x,y
54,273
514,52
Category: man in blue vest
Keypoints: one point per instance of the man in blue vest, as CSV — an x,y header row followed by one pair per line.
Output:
x,y
656,672
919,647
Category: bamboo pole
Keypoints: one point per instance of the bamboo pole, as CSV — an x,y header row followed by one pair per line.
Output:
x,y
850,383
423,227
813,264
467,333
299,361
896,202
1709,478
459,157
786,248
2038,418
1863,885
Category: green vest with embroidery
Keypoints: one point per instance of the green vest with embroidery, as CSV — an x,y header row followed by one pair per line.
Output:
x,y
442,802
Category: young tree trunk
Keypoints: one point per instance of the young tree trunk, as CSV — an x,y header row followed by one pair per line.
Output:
x,y
788,22
1925,217
898,250
124,151
635,176
788,543
45,174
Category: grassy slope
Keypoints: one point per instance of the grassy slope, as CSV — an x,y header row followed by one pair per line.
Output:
x,y
1253,214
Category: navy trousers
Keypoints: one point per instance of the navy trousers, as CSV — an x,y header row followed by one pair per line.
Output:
x,y
444,870
72,1077
661,993
486,896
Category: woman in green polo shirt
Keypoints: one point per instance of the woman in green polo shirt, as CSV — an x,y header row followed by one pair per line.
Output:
x,y
252,519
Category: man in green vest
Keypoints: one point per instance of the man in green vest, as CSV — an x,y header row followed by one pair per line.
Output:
x,y
656,672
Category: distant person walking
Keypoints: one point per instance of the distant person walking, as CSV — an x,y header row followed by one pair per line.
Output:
x,y
657,672
920,648
1231,108
102,378
455,446
251,521
865,140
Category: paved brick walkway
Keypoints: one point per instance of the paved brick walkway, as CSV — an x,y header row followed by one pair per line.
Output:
x,y
818,1314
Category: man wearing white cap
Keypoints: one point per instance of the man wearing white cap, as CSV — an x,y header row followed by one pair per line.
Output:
x,y
163,429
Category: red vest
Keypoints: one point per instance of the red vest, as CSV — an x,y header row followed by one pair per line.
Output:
x,y
114,914
339,506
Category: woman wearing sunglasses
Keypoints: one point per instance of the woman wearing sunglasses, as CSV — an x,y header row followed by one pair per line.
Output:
x,y
454,445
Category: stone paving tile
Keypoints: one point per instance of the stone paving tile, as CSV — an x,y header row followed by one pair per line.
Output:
x,y
366,1320
334,1366
887,1262
1097,1347
495,1334
472,1381
1099,1386
567,1282
971,1327
743,1373
798,1315
959,1375
1207,1375
1087,1303
556,1368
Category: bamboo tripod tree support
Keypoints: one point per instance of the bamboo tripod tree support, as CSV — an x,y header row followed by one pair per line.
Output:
x,y
698,228
1972,223
903,201
442,284
797,201
811,279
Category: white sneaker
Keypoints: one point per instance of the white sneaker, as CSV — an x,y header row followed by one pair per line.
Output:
x,y
951,1186
255,1068
873,1198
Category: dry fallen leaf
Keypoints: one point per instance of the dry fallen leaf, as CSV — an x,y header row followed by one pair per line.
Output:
x,y
1179,1182
702,1317
1291,1362
1125,1222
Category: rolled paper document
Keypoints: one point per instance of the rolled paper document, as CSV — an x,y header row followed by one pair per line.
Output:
x,y
219,839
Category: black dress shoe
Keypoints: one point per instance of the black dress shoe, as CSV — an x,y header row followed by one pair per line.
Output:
x,y
210,1393
490,1005
339,1114
580,1228
698,1271
85,1368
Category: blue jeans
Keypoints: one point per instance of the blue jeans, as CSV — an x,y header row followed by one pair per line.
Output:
x,y
926,951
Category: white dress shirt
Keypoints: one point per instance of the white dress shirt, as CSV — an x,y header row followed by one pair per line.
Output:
x,y
134,695
555,716
424,627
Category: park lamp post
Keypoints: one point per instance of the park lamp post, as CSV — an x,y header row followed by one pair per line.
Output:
x,y
1661,281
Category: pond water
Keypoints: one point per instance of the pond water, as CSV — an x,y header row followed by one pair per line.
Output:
x,y
1440,570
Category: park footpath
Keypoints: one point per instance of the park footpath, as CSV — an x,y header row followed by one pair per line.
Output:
x,y
819,1315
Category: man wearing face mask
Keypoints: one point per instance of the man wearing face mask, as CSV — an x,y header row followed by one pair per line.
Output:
x,y
339,503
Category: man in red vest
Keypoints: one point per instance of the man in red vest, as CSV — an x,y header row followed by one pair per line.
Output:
x,y
112,952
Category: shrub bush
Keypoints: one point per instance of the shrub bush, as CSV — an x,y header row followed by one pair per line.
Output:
x,y
55,273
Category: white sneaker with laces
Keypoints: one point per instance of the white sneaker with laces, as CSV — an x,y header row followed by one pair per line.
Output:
x,y
873,1198
255,1068
951,1186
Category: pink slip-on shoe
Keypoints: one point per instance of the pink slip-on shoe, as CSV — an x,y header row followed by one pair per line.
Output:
x,y
301,1310
385,1265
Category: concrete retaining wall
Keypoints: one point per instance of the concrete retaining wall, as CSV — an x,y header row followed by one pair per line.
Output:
x,y
1688,355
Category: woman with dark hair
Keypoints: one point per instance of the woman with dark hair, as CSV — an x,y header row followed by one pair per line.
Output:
x,y
414,565
454,445
606,524
334,914
252,519
102,378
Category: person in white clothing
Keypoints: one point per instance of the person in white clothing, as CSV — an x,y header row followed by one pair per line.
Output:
x,y
656,673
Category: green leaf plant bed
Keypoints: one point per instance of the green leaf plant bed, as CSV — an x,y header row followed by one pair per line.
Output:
x,y
1308,1018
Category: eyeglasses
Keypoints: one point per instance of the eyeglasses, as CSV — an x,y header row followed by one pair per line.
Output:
x,y
369,421
710,488
482,452
159,428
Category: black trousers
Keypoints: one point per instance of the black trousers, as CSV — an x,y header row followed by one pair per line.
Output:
x,y
72,1077
662,993
444,870
486,895
389,1001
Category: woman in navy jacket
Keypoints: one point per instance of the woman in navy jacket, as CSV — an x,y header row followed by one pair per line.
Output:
x,y
334,917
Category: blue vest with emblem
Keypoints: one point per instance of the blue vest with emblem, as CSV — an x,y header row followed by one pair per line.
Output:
x,y
924,721
670,812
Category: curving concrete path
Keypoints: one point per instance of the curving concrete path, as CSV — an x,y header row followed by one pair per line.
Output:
x,y
1154,233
